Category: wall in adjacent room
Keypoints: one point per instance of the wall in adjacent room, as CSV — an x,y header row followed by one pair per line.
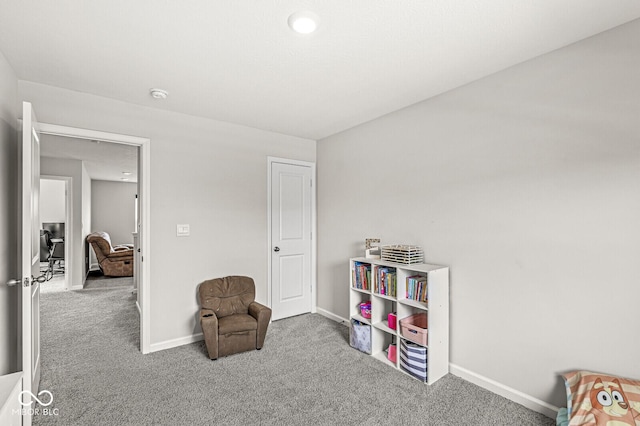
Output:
x,y
52,201
9,225
208,174
526,184
113,209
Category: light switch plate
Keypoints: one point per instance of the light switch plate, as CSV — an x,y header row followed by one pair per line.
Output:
x,y
182,230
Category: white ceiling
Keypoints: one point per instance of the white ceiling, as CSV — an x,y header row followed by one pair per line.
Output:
x,y
102,160
237,61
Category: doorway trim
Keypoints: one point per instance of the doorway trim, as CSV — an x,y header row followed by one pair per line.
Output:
x,y
314,291
68,230
145,225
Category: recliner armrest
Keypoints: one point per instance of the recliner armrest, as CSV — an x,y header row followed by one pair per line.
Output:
x,y
207,313
120,254
262,314
209,325
256,309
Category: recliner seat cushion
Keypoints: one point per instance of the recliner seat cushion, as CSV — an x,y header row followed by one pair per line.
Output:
x,y
236,323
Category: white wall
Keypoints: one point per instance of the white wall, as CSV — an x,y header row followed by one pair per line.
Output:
x,y
526,184
73,169
52,201
209,174
9,297
113,210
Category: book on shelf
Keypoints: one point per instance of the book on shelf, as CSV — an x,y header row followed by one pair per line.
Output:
x,y
385,281
417,288
361,275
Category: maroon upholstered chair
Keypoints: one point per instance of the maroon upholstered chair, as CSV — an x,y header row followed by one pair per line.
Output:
x,y
232,321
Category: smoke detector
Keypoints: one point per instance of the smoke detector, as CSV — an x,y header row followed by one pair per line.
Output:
x,y
158,93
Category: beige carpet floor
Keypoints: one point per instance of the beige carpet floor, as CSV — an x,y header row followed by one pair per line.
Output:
x,y
97,281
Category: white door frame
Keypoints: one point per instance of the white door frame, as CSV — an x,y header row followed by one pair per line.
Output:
x,y
314,291
68,229
144,175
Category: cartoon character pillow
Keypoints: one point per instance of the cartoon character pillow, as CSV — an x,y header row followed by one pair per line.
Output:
x,y
602,400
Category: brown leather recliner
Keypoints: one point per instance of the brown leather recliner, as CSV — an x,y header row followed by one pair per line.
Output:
x,y
232,321
114,261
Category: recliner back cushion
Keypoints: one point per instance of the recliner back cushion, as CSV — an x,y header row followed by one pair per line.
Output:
x,y
102,240
228,295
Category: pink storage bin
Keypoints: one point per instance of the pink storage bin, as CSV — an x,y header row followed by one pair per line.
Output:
x,y
365,309
414,328
392,353
392,320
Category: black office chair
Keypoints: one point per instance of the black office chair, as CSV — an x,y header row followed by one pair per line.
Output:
x,y
45,245
56,259
45,252
52,252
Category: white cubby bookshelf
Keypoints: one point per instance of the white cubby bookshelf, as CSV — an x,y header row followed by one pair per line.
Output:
x,y
436,307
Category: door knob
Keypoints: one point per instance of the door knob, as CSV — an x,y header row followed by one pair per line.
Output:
x,y
12,283
40,279
276,249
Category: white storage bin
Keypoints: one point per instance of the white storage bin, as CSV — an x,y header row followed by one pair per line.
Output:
x,y
360,336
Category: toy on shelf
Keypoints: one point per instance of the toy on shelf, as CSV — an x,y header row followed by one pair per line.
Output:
x,y
371,251
365,309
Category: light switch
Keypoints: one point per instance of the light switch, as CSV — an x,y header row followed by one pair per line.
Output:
x,y
182,230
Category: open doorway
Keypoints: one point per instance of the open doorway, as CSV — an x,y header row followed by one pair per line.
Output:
x,y
103,178
136,174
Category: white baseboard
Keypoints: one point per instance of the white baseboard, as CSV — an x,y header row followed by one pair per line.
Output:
x,y
332,316
511,394
173,343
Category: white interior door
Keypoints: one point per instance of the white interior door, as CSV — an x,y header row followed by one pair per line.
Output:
x,y
30,258
290,240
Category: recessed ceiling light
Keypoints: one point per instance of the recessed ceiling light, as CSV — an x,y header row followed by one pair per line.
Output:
x,y
124,178
126,173
158,93
303,22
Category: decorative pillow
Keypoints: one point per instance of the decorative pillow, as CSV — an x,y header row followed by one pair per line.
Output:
x,y
600,399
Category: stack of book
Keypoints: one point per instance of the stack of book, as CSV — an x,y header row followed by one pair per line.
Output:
x,y
417,288
361,275
385,281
